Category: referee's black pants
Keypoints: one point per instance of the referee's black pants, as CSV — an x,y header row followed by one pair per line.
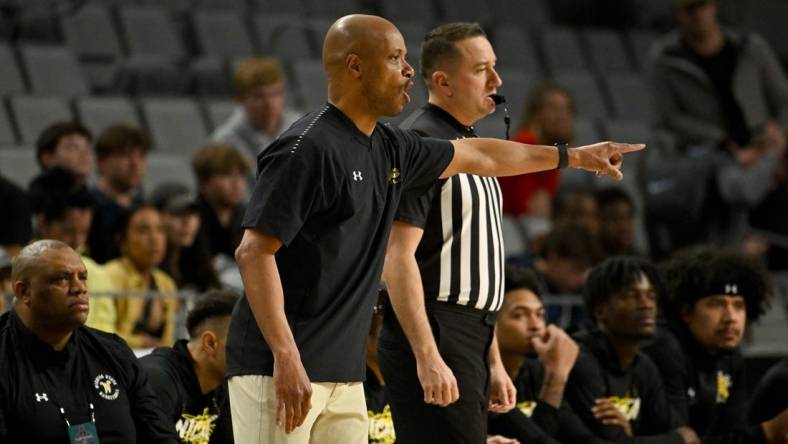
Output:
x,y
463,336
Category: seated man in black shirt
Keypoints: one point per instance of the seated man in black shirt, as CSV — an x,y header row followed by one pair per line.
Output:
x,y
710,297
60,380
187,377
614,388
522,337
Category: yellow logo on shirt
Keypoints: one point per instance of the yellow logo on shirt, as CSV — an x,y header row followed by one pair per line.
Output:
x,y
381,427
394,177
527,407
724,384
627,405
196,429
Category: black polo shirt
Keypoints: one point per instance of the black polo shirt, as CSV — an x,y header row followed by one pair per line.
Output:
x,y
197,416
94,367
329,193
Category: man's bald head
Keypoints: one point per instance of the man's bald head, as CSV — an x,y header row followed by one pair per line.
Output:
x,y
25,263
353,34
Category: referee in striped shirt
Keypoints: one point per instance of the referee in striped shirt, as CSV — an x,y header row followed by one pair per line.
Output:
x,y
446,255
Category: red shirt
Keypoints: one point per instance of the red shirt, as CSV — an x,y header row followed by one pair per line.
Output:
x,y
518,190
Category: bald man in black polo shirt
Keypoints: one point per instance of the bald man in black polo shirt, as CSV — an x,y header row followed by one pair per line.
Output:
x,y
59,380
316,232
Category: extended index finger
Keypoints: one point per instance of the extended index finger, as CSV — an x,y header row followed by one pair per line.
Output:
x,y
627,147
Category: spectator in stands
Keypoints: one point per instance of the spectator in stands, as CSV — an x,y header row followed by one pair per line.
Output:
x,y
221,178
538,358
188,377
121,154
146,315
577,206
722,88
614,388
711,296
616,222
770,218
59,380
549,119
15,226
261,114
187,259
68,145
63,209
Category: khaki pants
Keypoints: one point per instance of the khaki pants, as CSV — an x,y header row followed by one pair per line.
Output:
x,y
338,414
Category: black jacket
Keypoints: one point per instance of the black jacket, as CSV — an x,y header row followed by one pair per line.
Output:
x,y
94,367
706,390
196,416
637,391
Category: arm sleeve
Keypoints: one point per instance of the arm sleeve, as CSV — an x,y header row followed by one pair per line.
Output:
x,y
294,177
514,424
774,80
163,384
669,359
423,159
415,204
546,417
150,421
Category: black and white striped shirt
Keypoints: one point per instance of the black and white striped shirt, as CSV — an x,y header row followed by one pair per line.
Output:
x,y
461,255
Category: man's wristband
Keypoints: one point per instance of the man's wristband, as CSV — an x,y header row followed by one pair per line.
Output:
x,y
563,155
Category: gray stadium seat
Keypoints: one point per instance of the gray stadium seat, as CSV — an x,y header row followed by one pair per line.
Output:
x,y
586,131
175,124
466,10
413,33
10,76
285,37
290,7
19,165
562,52
168,167
418,11
514,242
516,86
152,75
607,51
629,96
90,33
218,111
521,12
768,18
34,113
97,113
514,49
228,5
53,70
332,9
311,83
7,136
626,130
210,77
587,94
641,42
150,30
222,34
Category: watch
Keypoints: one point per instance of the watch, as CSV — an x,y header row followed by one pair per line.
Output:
x,y
563,155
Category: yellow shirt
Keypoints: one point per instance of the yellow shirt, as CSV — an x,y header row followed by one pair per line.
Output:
x,y
102,314
130,309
